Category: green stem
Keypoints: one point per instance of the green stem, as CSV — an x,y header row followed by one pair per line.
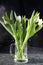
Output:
x,y
20,55
25,41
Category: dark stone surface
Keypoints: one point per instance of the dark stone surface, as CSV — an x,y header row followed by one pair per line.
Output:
x,y
35,56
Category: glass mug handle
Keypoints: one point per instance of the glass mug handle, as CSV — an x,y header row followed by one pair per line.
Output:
x,y
12,49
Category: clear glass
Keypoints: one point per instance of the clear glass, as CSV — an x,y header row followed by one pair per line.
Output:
x,y
19,57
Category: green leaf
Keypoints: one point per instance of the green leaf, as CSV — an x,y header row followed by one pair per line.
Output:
x,y
12,16
24,19
7,27
6,18
33,19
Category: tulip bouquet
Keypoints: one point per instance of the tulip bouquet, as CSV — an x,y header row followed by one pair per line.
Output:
x,y
22,29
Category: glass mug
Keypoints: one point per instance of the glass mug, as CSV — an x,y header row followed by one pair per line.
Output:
x,y
18,57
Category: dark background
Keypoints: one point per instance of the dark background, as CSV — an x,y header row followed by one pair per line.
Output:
x,y
22,7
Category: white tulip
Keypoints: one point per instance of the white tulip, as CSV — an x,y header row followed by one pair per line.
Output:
x,y
19,18
40,21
